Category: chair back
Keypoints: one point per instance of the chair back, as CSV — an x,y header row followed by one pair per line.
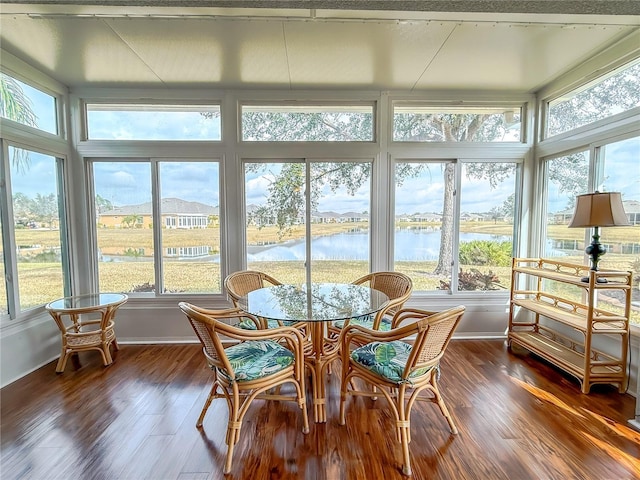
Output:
x,y
433,332
209,326
240,283
395,285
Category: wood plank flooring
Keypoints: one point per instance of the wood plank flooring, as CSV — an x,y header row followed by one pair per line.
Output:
x,y
519,418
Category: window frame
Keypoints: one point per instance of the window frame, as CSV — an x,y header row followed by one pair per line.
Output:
x,y
459,162
14,308
519,103
159,102
158,266
578,79
306,161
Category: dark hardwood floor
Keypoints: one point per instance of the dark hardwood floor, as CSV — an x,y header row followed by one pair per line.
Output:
x,y
518,417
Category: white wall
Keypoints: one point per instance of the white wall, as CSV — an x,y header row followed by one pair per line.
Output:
x,y
30,345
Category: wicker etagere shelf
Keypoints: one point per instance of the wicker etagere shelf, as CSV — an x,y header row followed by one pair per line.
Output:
x,y
573,353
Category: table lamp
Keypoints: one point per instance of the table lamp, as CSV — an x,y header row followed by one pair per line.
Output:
x,y
598,210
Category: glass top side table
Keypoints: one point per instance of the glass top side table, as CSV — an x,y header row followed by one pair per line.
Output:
x,y
86,322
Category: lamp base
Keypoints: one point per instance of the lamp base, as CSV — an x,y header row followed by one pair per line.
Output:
x,y
598,280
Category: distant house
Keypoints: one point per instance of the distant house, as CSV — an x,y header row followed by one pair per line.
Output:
x,y
563,216
333,217
632,209
175,213
470,217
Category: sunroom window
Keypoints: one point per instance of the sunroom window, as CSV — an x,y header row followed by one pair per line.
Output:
x,y
616,169
307,123
429,211
614,93
414,122
109,121
308,220
39,227
188,256
27,105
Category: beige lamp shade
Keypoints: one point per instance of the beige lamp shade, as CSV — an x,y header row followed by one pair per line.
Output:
x,y
599,210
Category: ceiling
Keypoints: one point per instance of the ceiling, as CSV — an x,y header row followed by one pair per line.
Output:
x,y
340,45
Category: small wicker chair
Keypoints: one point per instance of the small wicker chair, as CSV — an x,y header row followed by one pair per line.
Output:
x,y
240,283
397,286
399,365
254,367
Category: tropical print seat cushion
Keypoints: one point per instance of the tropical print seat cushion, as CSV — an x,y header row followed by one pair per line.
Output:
x,y
247,324
387,359
366,321
256,359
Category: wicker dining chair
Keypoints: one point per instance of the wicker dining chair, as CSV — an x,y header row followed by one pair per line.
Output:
x,y
397,286
240,283
399,364
253,367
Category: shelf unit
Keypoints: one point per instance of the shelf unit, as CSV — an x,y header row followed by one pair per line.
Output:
x,y
572,353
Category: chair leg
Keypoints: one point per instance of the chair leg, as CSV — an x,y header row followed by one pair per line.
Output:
x,y
406,462
303,406
233,432
344,386
444,409
403,428
212,393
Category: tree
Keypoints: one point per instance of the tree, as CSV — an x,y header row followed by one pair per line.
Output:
x,y
496,214
102,204
15,105
286,199
508,206
23,208
45,208
132,220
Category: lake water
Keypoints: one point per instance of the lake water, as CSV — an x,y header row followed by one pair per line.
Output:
x,y
410,245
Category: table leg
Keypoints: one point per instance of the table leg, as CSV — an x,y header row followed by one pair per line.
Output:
x,y
318,361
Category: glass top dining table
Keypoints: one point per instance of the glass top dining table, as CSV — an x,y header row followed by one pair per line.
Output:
x,y
317,305
322,302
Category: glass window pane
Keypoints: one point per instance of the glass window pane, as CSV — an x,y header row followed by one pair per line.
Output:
x,y
190,217
276,206
487,205
307,123
27,105
340,235
621,173
124,226
614,93
36,219
275,220
153,122
567,176
424,220
414,123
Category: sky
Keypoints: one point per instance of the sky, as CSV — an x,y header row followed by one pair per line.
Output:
x,y
129,183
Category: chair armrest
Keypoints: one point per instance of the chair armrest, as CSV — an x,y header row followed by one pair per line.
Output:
x,y
405,313
363,335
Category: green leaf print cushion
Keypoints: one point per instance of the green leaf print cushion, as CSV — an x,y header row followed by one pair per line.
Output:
x,y
387,359
256,359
